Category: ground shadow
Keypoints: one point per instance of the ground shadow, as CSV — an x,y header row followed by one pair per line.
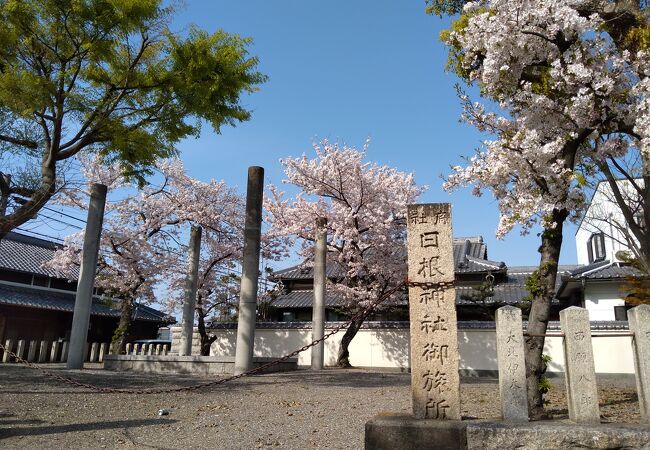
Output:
x,y
75,427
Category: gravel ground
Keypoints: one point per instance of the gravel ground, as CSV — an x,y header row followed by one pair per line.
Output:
x,y
293,410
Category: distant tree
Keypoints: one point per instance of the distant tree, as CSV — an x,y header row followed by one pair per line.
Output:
x,y
105,77
365,208
571,83
141,245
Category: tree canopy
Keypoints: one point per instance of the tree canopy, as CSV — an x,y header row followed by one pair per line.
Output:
x,y
109,77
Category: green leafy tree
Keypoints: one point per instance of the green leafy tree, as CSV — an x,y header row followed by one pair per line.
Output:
x,y
105,76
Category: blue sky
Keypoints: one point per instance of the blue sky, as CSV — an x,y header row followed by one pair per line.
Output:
x,y
348,70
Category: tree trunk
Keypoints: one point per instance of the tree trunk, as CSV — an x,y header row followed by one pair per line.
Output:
x,y
344,353
206,339
542,288
40,197
121,334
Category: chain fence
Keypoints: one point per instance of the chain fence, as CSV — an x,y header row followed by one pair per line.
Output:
x,y
360,315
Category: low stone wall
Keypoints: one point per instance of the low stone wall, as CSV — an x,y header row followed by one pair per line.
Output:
x,y
197,365
386,345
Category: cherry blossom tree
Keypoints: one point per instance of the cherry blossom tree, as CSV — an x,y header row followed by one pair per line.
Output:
x,y
141,245
365,208
568,85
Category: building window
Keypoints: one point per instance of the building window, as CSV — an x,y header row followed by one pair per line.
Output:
x,y
620,312
288,316
596,247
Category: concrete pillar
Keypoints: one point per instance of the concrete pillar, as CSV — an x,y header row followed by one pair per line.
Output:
x,y
512,367
31,352
9,345
158,349
639,319
54,351
64,351
129,348
580,372
191,283
250,271
94,352
318,309
42,352
84,298
20,351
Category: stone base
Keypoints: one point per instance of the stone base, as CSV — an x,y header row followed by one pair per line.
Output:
x,y
404,432
198,365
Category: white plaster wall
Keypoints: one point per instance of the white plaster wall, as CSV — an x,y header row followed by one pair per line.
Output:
x,y
600,299
389,348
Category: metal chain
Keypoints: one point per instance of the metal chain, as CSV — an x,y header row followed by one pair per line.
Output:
x,y
359,315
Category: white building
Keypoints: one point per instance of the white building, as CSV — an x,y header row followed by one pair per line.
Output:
x,y
602,239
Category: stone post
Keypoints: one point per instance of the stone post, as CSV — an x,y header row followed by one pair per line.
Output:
x,y
580,375
129,348
20,351
64,351
435,382
512,367
84,299
94,352
318,310
42,352
54,351
639,319
191,283
103,347
31,352
159,349
250,271
9,345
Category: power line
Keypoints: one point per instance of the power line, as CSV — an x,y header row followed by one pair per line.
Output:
x,y
64,214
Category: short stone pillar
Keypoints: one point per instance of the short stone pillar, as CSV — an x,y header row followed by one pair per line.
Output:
x,y
20,351
512,367
435,382
9,345
94,352
151,348
42,352
54,351
129,348
639,320
159,349
31,353
103,348
580,372
64,351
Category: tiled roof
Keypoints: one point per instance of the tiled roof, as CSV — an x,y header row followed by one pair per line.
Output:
x,y
470,256
23,253
30,297
604,270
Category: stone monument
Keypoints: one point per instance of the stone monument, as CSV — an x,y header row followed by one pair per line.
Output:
x,y
432,308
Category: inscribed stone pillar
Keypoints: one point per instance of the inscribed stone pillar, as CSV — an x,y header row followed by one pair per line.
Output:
x,y
580,375
318,310
54,351
434,342
31,353
639,319
9,345
512,368
42,352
